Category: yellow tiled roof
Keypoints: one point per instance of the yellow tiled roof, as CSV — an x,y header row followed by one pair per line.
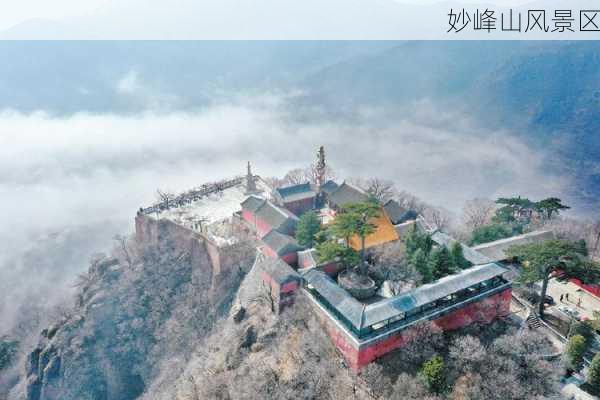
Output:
x,y
384,233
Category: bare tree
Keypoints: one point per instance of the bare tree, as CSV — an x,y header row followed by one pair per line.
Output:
x,y
467,354
478,212
439,218
82,281
410,202
382,189
266,295
124,248
408,387
297,176
311,171
165,197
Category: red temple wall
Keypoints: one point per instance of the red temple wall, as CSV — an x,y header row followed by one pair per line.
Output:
x,y
261,227
484,311
299,207
291,258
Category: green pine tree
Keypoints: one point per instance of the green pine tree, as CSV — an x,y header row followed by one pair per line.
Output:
x,y
440,262
331,249
541,259
458,258
581,247
415,240
434,375
550,206
419,262
308,226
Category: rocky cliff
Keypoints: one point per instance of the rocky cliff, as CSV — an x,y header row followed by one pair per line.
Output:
x,y
137,316
147,326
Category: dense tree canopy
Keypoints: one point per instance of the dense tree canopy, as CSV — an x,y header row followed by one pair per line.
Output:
x,y
458,257
308,227
489,233
420,263
361,216
440,262
416,240
433,262
331,249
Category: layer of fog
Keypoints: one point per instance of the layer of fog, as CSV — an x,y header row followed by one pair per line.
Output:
x,y
67,185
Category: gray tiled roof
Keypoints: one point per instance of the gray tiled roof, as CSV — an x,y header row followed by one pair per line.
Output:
x,y
496,250
394,211
280,243
473,256
361,316
295,192
277,269
307,258
329,186
252,203
275,216
346,194
350,308
386,309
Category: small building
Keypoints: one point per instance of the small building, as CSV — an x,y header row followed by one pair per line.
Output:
x,y
278,245
384,233
364,332
298,199
328,187
280,281
345,194
397,213
496,250
265,216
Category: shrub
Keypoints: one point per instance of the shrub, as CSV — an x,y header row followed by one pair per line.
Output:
x,y
434,375
489,233
593,378
574,352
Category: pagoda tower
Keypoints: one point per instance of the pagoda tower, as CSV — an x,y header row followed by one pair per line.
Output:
x,y
320,168
250,181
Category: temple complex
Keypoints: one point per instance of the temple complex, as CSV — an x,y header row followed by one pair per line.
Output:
x,y
246,211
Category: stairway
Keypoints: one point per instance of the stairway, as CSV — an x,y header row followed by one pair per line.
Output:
x,y
533,321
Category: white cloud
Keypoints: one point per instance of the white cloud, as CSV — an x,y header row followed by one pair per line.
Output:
x,y
87,166
90,173
129,84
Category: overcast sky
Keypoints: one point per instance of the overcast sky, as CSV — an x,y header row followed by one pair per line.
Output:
x,y
254,19
15,12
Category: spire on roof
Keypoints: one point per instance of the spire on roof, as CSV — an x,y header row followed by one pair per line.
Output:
x,y
250,182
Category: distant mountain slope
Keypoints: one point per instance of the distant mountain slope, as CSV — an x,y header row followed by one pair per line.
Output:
x,y
546,92
123,77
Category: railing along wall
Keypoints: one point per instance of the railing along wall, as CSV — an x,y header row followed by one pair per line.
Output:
x,y
192,195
